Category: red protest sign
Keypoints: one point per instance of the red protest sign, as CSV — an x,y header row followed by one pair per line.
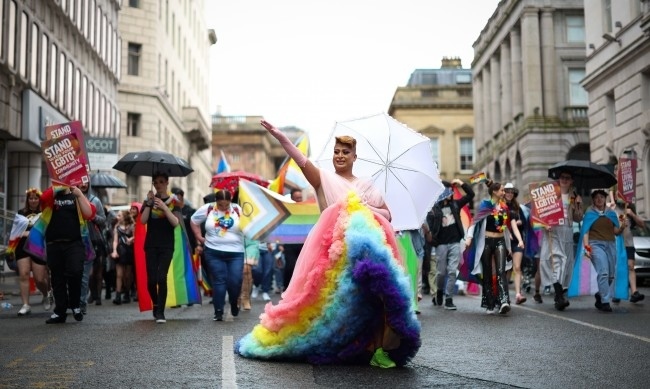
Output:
x,y
65,154
626,177
546,201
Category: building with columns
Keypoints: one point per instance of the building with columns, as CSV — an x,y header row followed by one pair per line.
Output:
x,y
59,62
163,93
617,80
438,104
530,108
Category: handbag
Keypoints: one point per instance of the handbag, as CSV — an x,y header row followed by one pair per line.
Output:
x,y
10,260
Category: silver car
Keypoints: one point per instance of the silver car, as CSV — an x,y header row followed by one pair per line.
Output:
x,y
642,256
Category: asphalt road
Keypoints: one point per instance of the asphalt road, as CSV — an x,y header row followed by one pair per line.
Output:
x,y
534,346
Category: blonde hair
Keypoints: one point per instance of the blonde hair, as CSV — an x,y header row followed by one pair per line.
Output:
x,y
347,140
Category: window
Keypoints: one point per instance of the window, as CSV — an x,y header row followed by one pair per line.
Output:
x,y
134,3
466,154
575,29
54,59
610,111
77,95
2,17
68,88
132,124
22,65
11,52
578,94
83,102
89,121
435,151
45,44
61,81
135,50
34,62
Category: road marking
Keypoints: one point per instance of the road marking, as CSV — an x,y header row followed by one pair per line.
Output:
x,y
228,372
583,323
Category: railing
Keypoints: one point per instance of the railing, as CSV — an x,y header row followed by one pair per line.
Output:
x,y
576,115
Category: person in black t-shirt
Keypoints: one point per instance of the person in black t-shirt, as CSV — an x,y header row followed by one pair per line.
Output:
x,y
161,214
291,251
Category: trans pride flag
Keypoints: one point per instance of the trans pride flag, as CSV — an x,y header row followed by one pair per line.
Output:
x,y
223,166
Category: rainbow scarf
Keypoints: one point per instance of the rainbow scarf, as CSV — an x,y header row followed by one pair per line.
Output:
x,y
182,284
35,243
354,288
583,281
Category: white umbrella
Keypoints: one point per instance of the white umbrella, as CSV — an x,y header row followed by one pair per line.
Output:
x,y
398,159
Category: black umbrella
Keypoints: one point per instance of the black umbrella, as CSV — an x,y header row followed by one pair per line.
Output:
x,y
586,174
148,163
105,180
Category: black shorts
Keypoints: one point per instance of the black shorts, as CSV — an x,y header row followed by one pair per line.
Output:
x,y
630,251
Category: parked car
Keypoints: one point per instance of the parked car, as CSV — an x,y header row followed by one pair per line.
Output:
x,y
642,247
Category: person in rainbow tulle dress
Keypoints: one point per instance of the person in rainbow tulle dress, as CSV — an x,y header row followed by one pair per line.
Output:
x,y
349,300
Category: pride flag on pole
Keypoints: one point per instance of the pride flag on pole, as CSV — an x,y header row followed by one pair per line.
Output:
x,y
223,165
290,172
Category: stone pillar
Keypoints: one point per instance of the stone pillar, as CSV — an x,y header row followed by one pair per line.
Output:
x,y
532,63
24,171
495,95
516,75
477,95
549,61
487,105
506,85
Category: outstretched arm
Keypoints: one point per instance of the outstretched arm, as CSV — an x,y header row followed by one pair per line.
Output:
x,y
311,172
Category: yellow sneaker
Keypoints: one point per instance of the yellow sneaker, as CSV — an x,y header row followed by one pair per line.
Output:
x,y
381,359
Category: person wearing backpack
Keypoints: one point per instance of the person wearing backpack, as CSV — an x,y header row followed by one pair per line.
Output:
x,y
223,247
446,232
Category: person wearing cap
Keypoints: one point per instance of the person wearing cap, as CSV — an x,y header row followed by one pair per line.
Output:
x,y
600,235
445,233
557,257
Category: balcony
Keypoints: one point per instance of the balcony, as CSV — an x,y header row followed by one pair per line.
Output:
x,y
576,116
196,128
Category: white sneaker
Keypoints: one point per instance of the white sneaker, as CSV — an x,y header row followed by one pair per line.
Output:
x,y
266,296
25,310
48,301
254,293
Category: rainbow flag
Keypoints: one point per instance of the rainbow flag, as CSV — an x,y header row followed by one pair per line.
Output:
x,y
201,276
182,284
465,214
269,216
290,172
478,178
17,228
407,251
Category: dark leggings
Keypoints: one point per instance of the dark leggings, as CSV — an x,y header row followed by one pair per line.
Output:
x,y
495,286
158,261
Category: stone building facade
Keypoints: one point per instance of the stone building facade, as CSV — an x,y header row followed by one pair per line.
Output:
x,y
530,108
163,92
618,82
59,62
438,104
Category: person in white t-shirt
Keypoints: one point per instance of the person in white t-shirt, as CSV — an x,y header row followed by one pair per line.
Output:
x,y
223,247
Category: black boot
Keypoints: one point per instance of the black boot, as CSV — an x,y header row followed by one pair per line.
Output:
x,y
125,298
117,300
561,302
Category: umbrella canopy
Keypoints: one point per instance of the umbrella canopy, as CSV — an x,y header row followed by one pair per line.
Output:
x,y
586,174
400,162
230,180
105,180
147,163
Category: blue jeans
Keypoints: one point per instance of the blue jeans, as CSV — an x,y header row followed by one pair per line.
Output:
x,y
226,271
603,257
263,272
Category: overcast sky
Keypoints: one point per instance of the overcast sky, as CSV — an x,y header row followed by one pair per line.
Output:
x,y
311,63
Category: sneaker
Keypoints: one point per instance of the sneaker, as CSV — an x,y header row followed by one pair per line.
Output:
x,y
538,298
599,302
55,319
84,310
616,300
449,304
217,317
489,311
48,300
160,319
606,307
382,359
25,310
254,293
547,290
439,295
266,297
636,297
77,314
505,308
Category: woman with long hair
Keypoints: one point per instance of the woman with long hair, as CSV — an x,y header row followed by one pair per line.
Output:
x,y
488,239
517,214
26,263
122,253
